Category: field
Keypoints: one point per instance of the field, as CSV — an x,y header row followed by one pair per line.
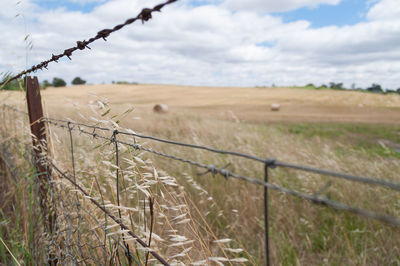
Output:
x,y
345,131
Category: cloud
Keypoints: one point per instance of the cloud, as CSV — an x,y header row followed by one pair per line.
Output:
x,y
208,45
385,10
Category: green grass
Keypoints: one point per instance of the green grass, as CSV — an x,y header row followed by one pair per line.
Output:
x,y
366,138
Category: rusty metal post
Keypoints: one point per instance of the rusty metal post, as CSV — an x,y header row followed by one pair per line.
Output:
x,y
266,219
39,141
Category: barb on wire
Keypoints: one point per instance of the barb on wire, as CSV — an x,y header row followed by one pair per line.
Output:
x,y
144,15
271,162
316,198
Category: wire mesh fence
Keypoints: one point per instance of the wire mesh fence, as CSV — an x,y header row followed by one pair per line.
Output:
x,y
108,216
104,202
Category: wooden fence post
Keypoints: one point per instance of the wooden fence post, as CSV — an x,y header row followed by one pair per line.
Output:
x,y
39,141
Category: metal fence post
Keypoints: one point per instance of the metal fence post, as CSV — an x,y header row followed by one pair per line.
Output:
x,y
267,261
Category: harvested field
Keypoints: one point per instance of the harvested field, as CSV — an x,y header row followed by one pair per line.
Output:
x,y
249,104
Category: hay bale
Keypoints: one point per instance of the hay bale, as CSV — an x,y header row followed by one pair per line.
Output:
x,y
275,107
160,108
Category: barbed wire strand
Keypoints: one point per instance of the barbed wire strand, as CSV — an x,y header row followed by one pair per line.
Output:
x,y
277,163
144,15
214,170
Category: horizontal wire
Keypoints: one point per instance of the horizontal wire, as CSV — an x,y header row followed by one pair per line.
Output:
x,y
226,173
214,170
360,179
272,162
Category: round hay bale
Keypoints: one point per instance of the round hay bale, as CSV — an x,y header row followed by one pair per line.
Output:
x,y
275,107
160,108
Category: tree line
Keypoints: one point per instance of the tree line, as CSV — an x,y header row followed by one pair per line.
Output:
x,y
375,88
59,82
18,84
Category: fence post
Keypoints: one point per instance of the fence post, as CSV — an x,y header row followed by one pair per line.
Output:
x,y
39,141
267,261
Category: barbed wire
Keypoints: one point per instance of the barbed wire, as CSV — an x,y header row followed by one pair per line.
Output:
x,y
214,170
144,15
273,162
66,249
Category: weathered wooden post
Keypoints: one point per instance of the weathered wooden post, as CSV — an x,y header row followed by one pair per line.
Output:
x,y
39,140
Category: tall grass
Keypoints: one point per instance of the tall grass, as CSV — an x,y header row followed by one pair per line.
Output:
x,y
21,231
199,219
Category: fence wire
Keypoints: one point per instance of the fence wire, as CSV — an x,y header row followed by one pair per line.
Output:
x,y
80,237
108,213
214,170
271,162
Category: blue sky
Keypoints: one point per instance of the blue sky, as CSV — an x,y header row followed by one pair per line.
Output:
x,y
82,6
347,12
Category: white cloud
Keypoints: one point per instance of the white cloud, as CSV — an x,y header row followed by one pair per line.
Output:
x,y
385,10
208,45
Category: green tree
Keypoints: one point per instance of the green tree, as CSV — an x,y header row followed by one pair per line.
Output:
x,y
58,82
78,81
46,83
336,86
12,85
375,88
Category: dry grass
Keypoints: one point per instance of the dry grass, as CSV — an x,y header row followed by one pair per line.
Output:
x,y
212,208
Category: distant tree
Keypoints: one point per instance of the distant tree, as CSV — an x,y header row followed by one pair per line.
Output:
x,y
78,81
398,90
12,85
387,91
323,86
310,85
375,88
46,84
58,82
336,86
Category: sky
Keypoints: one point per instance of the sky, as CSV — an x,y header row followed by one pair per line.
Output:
x,y
209,42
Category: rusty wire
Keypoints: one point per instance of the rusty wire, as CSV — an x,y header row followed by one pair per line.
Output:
x,y
269,163
144,15
273,162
